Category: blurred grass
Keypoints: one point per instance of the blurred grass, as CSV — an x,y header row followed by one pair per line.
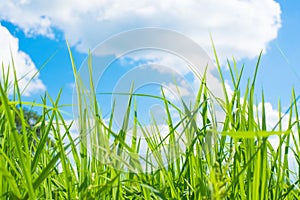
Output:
x,y
228,159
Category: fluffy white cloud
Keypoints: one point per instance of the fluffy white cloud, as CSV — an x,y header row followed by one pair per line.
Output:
x,y
25,68
178,91
239,28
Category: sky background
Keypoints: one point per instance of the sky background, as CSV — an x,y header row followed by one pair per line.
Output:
x,y
36,33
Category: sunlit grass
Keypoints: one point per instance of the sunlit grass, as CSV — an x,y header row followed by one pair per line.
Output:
x,y
228,159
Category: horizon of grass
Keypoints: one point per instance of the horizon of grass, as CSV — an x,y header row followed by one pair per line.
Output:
x,y
229,159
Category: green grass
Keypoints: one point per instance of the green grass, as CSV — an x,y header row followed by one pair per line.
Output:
x,y
228,159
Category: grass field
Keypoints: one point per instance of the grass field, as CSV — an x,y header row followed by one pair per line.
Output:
x,y
228,159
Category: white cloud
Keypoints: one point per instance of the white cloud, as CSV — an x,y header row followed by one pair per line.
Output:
x,y
171,67
25,68
178,91
239,28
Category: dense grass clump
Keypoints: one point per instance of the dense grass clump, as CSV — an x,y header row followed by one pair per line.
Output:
x,y
229,159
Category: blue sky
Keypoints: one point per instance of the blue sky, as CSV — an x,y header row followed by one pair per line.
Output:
x,y
239,28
